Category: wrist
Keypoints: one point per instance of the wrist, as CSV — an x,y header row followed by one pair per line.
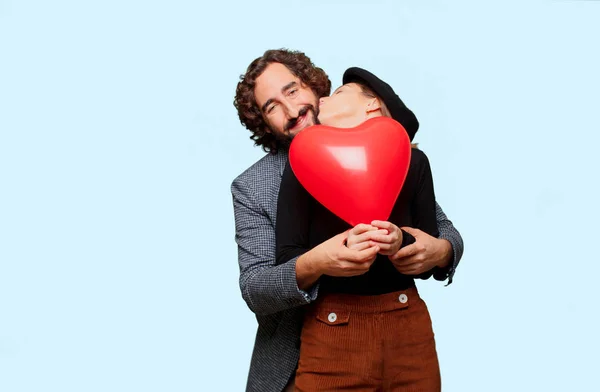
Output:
x,y
311,264
445,253
306,276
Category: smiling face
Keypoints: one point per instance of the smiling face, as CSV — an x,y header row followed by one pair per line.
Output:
x,y
286,104
348,107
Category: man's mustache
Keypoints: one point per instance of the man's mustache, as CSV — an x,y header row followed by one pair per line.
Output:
x,y
293,121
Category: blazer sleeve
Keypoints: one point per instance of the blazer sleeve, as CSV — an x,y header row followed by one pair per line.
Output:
x,y
266,287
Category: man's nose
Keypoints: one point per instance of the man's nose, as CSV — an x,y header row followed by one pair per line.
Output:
x,y
290,109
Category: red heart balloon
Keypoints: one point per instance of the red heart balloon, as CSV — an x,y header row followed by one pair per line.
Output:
x,y
356,173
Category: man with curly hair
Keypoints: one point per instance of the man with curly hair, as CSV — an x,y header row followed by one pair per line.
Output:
x,y
275,99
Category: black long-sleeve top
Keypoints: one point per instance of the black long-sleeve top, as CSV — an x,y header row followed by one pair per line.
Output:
x,y
303,223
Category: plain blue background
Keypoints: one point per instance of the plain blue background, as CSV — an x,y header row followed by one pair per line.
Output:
x,y
119,141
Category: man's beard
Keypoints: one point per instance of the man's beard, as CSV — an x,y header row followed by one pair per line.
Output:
x,y
285,139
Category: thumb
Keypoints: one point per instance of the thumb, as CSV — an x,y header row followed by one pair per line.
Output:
x,y
414,232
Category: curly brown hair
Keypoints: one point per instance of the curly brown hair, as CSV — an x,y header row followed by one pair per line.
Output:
x,y
245,103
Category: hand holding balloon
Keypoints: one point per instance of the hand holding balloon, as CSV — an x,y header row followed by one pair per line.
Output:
x,y
360,237
387,236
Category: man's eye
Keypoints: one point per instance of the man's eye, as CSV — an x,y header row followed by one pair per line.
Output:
x,y
270,109
293,92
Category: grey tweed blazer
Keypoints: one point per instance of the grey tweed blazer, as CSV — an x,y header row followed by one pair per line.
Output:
x,y
270,290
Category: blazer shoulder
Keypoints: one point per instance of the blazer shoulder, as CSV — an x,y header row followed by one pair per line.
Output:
x,y
262,170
